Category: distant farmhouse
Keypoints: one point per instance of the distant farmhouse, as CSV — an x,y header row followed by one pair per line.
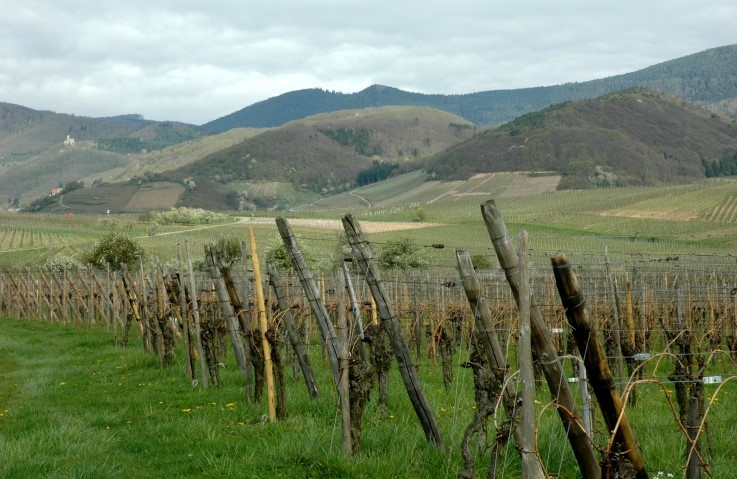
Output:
x,y
69,141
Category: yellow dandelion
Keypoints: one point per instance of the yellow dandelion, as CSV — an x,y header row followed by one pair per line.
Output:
x,y
230,404
62,383
189,409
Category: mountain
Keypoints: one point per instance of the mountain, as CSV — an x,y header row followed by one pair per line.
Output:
x,y
708,78
325,153
40,150
635,137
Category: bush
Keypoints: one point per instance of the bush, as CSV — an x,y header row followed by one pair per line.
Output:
x,y
229,248
279,254
61,263
186,216
403,254
114,249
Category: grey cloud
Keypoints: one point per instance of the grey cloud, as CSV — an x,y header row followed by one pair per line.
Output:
x,y
194,61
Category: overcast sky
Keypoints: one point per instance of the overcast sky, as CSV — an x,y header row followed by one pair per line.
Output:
x,y
195,61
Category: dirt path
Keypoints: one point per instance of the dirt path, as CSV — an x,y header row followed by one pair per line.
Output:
x,y
337,225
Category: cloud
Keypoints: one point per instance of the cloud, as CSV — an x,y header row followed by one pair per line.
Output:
x,y
195,61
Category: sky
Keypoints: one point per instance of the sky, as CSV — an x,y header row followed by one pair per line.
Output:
x,y
195,61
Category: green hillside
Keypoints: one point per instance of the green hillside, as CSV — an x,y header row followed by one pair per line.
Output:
x,y
637,137
325,153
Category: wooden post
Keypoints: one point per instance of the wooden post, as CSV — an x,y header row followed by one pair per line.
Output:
x,y
594,358
154,337
309,285
182,301
542,346
531,467
215,266
343,385
355,312
419,330
196,315
364,256
263,325
292,333
693,448
617,327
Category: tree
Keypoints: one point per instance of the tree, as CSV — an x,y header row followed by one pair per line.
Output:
x,y
403,254
114,249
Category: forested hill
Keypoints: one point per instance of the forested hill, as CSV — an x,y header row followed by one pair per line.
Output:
x,y
635,137
708,78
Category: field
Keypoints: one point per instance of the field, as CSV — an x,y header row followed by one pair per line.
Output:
x,y
102,411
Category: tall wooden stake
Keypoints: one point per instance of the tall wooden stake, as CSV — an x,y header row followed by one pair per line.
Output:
x,y
594,358
309,285
263,325
182,301
355,312
531,467
196,316
617,327
343,385
390,323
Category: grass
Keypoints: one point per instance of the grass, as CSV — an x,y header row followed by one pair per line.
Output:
x,y
73,405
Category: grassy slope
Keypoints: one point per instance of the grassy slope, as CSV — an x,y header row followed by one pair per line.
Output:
x,y
690,219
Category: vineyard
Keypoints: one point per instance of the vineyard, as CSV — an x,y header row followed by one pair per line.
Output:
x,y
633,334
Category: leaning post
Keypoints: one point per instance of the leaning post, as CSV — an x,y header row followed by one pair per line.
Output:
x,y
364,256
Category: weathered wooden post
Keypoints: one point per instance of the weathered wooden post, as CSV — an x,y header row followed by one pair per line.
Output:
x,y
542,346
355,312
263,325
364,256
214,267
693,448
54,298
345,361
530,461
594,358
617,327
196,316
309,285
302,357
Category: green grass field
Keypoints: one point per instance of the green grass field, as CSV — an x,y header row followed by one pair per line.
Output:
x,y
73,405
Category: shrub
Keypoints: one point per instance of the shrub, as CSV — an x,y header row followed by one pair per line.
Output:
x,y
61,263
403,254
114,249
